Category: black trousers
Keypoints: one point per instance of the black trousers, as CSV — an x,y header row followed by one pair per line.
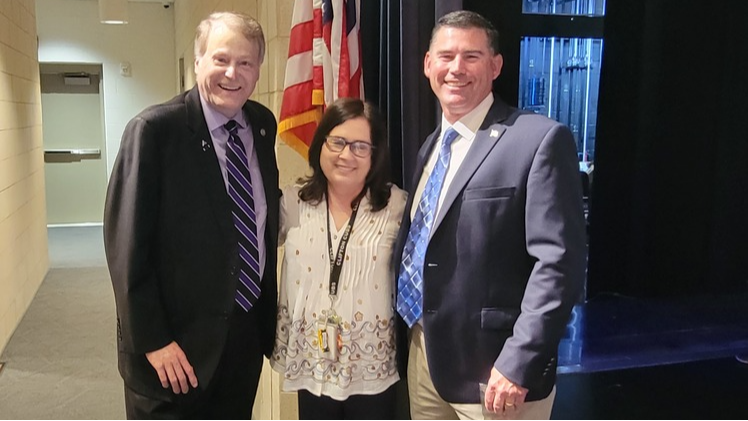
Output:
x,y
231,392
356,407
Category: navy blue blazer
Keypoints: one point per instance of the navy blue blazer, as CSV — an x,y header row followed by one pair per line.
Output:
x,y
506,260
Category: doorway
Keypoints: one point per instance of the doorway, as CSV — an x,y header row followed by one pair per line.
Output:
x,y
74,146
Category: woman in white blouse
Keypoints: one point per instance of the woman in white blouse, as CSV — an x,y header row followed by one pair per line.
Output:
x,y
335,339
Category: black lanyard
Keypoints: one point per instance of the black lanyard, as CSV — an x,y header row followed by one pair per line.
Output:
x,y
336,264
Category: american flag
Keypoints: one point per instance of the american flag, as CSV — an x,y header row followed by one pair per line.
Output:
x,y
324,64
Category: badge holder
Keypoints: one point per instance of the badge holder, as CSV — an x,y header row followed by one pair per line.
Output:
x,y
329,340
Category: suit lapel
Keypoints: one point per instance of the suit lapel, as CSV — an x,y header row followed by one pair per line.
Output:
x,y
261,143
264,145
485,139
421,159
210,172
423,156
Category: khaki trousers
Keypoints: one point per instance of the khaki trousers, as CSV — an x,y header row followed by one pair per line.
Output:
x,y
425,402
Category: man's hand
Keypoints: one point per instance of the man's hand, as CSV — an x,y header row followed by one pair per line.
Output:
x,y
503,396
173,368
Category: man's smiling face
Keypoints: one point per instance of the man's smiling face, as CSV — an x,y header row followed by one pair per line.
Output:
x,y
228,70
461,67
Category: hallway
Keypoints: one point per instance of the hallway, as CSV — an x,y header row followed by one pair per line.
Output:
x,y
61,362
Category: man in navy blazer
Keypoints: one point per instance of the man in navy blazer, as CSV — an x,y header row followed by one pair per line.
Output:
x,y
186,348
504,257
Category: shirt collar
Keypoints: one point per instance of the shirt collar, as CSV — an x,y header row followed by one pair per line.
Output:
x,y
469,124
216,120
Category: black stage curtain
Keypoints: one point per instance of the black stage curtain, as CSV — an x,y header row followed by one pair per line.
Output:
x,y
670,190
395,38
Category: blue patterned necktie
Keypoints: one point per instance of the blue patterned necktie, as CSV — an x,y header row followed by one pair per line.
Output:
x,y
245,221
410,280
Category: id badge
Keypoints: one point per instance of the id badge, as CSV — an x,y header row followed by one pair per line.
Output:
x,y
327,340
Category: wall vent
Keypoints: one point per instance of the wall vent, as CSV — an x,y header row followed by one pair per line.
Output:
x,y
77,79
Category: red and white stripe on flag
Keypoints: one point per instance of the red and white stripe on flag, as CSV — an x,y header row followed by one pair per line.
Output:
x,y
324,64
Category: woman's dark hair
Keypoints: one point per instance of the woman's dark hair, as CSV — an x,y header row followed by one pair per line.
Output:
x,y
377,180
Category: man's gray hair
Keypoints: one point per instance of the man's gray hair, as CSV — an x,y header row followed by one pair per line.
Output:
x,y
244,24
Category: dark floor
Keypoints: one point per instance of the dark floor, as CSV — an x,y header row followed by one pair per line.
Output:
x,y
712,389
630,358
704,390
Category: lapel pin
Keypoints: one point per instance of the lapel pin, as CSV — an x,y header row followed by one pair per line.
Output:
x,y
262,132
206,146
494,133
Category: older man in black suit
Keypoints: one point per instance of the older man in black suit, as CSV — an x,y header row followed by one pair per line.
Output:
x,y
190,229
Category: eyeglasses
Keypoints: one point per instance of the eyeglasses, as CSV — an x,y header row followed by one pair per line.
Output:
x,y
359,148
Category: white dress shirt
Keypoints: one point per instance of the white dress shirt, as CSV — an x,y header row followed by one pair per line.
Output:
x,y
467,127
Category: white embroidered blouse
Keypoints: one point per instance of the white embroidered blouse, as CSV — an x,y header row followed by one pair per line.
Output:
x,y
365,299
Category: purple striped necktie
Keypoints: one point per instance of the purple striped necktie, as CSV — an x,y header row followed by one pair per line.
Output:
x,y
245,221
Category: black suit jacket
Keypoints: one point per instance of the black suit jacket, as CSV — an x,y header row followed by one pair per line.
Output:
x,y
506,259
170,240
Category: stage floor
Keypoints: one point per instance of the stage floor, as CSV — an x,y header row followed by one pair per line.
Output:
x,y
613,333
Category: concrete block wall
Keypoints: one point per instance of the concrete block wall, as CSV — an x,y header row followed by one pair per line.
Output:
x,y
24,258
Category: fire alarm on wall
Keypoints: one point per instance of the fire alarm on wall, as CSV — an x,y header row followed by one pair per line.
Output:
x,y
125,69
